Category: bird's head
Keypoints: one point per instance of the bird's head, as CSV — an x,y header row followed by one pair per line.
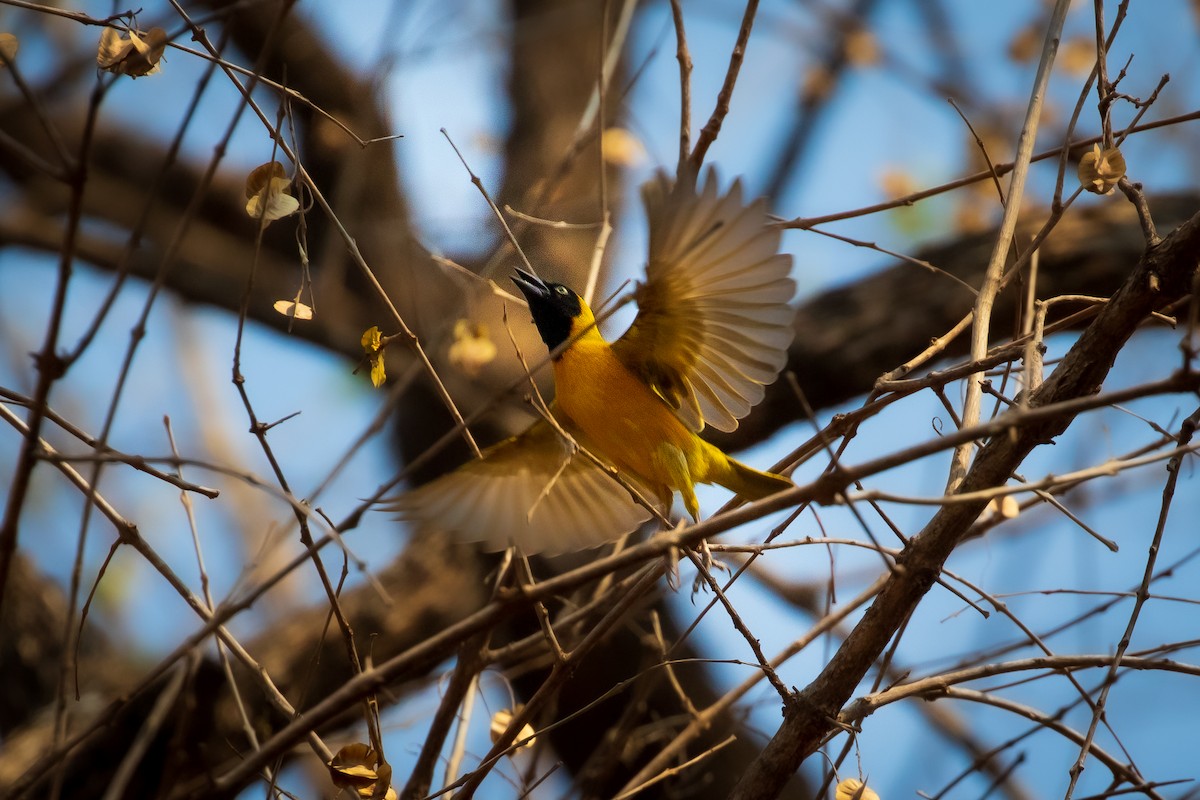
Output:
x,y
557,311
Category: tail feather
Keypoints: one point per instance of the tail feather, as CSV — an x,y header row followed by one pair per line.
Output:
x,y
749,482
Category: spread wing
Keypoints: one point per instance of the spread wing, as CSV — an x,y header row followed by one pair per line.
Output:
x,y
714,321
530,491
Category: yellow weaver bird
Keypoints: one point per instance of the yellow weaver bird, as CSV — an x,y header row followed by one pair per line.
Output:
x,y
712,330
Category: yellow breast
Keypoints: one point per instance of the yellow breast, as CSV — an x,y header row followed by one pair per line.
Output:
x,y
625,418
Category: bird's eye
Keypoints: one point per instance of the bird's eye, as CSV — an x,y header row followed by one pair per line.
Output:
x,y
561,289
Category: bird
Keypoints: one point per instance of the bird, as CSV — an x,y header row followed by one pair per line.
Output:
x,y
711,332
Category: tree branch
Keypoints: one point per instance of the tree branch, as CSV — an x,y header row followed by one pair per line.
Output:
x,y
1162,276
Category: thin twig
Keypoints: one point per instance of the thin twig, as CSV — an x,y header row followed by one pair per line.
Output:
x,y
684,57
205,590
667,755
1008,225
558,674
351,245
164,706
1186,431
708,134
804,223
671,772
490,202
460,687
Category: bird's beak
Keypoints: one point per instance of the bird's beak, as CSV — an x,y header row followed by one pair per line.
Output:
x,y
534,288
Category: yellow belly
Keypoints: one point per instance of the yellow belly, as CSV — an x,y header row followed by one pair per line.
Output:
x,y
627,421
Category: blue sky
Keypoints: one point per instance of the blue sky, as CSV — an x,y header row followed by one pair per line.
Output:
x,y
449,62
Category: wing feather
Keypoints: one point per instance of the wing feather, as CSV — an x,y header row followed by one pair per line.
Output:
x,y
714,320
497,499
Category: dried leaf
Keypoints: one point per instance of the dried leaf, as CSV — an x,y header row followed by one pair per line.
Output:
x,y
378,371
1100,170
473,349
621,148
274,204
862,50
1077,55
1005,507
8,48
818,83
371,340
266,188
261,176
1025,45
360,769
293,309
353,766
896,183
854,789
372,345
1009,507
133,56
502,719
